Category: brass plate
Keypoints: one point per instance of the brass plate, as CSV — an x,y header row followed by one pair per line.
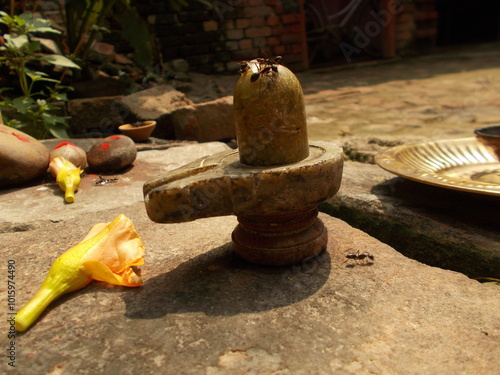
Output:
x,y
460,164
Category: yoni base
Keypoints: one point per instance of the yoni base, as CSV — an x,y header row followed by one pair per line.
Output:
x,y
280,240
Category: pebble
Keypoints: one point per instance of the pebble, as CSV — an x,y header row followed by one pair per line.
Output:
x,y
22,157
71,152
112,154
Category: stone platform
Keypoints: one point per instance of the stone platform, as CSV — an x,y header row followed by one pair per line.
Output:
x,y
202,310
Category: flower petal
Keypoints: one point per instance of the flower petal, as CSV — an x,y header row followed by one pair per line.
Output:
x,y
120,248
100,272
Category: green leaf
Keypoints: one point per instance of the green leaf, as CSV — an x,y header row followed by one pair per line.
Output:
x,y
14,123
98,28
5,18
136,32
60,60
39,76
58,132
33,47
55,124
41,25
41,102
37,25
22,104
15,42
59,96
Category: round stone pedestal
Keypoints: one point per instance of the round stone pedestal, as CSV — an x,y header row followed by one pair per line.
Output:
x,y
280,240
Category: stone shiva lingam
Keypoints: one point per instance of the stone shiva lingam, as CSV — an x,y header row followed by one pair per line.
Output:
x,y
273,182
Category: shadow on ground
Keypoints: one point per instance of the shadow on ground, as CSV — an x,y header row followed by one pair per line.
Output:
x,y
218,283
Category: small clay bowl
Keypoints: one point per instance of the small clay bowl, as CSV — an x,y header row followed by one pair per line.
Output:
x,y
490,138
138,133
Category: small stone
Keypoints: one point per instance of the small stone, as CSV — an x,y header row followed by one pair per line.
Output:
x,y
96,114
22,157
154,104
180,65
104,50
122,59
71,152
205,122
112,154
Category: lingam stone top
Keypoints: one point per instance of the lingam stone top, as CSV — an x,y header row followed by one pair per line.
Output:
x,y
273,183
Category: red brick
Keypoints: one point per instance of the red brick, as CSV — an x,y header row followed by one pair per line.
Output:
x,y
258,21
406,7
253,32
251,12
234,34
279,50
210,25
404,17
291,38
242,23
247,54
290,18
246,44
228,24
232,45
296,28
273,20
260,43
280,30
252,3
273,41
404,36
293,58
297,48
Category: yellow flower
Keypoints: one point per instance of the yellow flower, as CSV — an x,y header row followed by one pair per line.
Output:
x,y
107,253
67,177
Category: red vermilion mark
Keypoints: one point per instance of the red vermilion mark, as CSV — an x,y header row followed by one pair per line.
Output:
x,y
3,131
20,138
104,146
115,137
64,144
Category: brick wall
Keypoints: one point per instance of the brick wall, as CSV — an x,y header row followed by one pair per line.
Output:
x,y
212,39
416,26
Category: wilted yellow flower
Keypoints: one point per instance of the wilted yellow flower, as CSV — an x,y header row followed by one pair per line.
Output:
x,y
107,253
67,177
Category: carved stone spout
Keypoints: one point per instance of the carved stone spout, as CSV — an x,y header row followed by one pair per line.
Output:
x,y
273,183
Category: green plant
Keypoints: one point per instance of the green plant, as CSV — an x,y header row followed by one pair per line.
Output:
x,y
84,20
33,111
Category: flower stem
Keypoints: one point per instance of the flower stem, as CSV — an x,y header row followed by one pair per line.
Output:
x,y
34,308
51,289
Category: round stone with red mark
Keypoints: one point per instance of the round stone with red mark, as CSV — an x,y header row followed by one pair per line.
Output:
x,y
71,152
22,157
112,154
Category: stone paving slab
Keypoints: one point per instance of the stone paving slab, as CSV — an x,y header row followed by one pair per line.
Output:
x,y
437,226
436,97
44,201
201,310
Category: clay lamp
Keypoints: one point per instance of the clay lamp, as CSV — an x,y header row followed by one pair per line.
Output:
x,y
139,131
273,183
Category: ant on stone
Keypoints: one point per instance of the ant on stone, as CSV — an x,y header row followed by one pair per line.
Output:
x,y
366,256
270,65
259,66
